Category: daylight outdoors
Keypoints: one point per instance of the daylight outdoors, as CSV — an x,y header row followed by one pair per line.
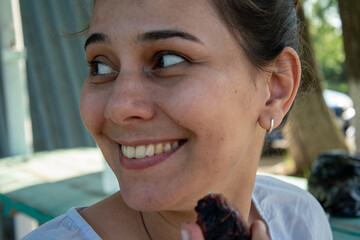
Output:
x,y
42,69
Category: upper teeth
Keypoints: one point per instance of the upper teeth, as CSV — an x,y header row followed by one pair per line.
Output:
x,y
147,150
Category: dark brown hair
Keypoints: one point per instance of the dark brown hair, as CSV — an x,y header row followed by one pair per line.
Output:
x,y
261,27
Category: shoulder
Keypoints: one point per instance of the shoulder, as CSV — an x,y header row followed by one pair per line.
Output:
x,y
68,226
266,186
290,212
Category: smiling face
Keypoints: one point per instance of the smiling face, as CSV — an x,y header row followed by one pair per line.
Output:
x,y
172,102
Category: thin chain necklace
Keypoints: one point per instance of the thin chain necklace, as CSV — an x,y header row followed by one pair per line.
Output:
x,y
143,222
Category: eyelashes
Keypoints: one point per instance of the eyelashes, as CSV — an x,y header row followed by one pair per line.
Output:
x,y
99,68
163,63
167,59
100,71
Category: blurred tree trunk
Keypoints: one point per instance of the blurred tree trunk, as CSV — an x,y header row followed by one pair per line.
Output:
x,y
311,128
350,17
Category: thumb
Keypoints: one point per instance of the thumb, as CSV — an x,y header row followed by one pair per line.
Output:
x,y
191,231
258,231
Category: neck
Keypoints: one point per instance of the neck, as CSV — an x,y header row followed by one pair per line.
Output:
x,y
166,224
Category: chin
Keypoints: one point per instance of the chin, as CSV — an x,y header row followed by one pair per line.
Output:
x,y
153,197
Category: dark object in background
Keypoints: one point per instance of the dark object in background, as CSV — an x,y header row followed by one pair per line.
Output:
x,y
335,181
220,220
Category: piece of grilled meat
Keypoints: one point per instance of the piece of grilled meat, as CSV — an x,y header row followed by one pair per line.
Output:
x,y
220,220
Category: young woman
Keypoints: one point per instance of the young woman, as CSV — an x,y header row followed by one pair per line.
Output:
x,y
179,98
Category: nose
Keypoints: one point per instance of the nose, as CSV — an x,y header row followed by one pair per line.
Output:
x,y
130,100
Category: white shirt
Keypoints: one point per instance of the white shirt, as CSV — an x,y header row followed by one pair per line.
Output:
x,y
289,212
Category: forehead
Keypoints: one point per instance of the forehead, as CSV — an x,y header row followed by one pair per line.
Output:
x,y
125,21
149,14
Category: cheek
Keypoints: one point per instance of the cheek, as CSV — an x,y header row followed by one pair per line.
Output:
x,y
92,105
219,112
209,106
192,107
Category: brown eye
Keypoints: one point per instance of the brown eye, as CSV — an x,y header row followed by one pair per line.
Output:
x,y
99,68
164,60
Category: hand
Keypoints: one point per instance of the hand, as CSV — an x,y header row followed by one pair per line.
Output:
x,y
192,231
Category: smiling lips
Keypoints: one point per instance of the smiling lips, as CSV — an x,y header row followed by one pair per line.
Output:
x,y
144,156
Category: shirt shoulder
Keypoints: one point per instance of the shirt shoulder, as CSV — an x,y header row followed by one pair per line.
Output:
x,y
290,212
68,226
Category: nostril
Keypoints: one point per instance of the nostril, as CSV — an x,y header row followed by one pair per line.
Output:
x,y
133,118
127,110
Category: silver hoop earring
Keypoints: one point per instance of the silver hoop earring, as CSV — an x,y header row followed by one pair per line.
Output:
x,y
271,126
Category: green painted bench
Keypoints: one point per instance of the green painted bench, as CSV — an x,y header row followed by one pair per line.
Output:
x,y
46,185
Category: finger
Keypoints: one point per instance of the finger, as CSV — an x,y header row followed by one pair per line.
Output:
x,y
191,231
258,231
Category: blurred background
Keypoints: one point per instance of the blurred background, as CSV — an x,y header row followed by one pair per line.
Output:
x,y
43,67
45,101
55,70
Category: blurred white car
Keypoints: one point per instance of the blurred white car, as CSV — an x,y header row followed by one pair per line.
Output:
x,y
343,108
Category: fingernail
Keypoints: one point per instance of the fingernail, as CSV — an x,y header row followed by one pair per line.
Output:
x,y
185,235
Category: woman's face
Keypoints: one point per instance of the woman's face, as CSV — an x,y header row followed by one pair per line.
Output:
x,y
172,101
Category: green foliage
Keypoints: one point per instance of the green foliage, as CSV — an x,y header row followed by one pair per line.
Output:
x,y
325,28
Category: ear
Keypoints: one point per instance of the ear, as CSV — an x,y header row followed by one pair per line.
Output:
x,y
283,84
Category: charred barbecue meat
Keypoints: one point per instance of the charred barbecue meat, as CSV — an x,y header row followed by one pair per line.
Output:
x,y
220,220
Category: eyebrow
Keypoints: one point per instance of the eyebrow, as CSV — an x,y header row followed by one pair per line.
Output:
x,y
96,38
150,36
165,34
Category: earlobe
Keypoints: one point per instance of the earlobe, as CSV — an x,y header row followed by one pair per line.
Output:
x,y
283,85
